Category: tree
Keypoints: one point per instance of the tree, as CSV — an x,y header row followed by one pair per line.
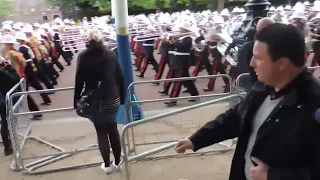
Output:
x,y
221,5
102,5
6,8
150,4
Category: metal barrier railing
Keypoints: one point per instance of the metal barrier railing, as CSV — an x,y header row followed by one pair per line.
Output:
x,y
314,68
13,128
127,159
238,80
47,159
131,103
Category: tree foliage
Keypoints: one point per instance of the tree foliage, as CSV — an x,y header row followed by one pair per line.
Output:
x,y
104,6
6,8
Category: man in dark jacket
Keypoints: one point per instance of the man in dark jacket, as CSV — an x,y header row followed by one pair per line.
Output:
x,y
278,136
8,78
245,55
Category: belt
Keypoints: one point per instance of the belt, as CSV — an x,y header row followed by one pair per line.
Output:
x,y
29,60
179,53
147,44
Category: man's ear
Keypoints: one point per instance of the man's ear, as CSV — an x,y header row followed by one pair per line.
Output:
x,y
282,63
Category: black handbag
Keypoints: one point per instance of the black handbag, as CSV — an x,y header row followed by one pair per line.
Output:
x,y
89,104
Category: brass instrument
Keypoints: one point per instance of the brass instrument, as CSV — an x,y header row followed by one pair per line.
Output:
x,y
17,61
34,68
45,54
173,39
34,44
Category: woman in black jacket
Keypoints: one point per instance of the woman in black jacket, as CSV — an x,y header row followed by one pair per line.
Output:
x,y
97,65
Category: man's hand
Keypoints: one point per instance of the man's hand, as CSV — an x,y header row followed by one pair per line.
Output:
x,y
259,172
183,145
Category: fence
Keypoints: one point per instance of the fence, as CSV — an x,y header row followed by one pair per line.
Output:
x,y
144,155
15,112
17,102
150,153
48,158
131,135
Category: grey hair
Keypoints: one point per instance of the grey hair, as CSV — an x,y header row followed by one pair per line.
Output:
x,y
95,35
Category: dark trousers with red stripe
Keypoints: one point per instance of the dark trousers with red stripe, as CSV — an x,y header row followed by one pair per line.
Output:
x,y
316,58
183,72
218,67
202,61
139,51
156,46
132,43
162,64
149,58
167,85
138,48
139,61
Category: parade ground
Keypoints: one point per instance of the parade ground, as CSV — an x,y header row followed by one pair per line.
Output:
x,y
68,131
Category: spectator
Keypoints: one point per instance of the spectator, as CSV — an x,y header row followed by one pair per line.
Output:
x,y
245,55
278,137
97,65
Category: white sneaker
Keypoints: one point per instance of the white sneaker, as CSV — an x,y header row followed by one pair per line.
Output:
x,y
112,168
108,170
116,167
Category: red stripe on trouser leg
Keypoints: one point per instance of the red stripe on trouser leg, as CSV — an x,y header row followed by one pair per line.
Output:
x,y
169,76
214,72
137,47
145,64
159,49
157,44
141,49
307,54
314,61
196,70
177,84
139,61
161,67
233,74
132,42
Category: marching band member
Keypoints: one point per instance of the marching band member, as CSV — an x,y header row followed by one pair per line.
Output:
x,y
67,55
168,47
148,46
202,53
17,26
69,29
46,62
12,55
164,59
6,29
54,54
315,40
36,27
298,18
181,62
34,44
30,69
218,64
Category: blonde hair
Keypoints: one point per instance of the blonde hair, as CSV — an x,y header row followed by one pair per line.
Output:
x,y
95,35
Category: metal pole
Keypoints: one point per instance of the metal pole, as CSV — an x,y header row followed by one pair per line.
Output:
x,y
62,9
124,55
113,11
73,3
